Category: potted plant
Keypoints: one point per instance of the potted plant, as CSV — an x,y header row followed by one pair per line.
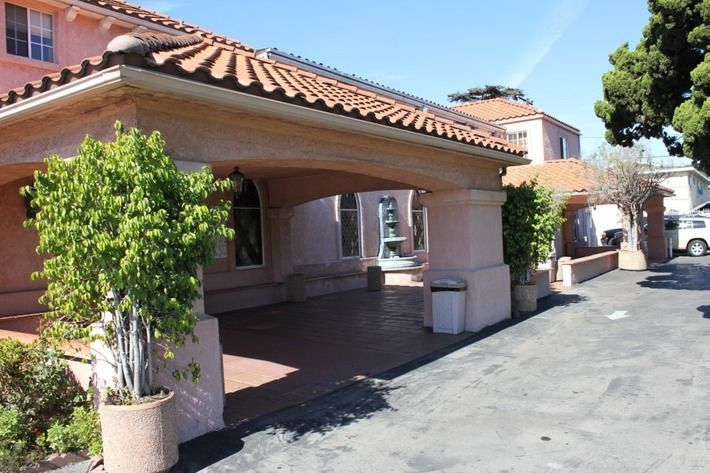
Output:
x,y
126,232
627,177
531,216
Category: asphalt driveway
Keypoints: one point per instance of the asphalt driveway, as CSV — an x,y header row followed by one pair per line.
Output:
x,y
613,376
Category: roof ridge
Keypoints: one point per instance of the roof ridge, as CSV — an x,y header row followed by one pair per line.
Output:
x,y
146,42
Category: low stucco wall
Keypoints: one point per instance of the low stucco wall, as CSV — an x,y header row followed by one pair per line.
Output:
x,y
581,269
199,405
542,281
584,251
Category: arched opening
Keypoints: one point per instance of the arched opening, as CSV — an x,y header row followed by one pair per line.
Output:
x,y
349,226
248,240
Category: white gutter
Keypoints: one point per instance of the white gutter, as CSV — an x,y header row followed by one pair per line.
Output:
x,y
123,75
95,84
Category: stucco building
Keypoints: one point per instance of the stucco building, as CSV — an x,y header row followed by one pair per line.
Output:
x,y
543,136
691,188
319,152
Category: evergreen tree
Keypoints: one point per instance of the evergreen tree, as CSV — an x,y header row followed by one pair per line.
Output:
x,y
490,92
663,83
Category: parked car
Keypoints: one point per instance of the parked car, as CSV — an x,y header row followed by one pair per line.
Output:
x,y
691,234
609,237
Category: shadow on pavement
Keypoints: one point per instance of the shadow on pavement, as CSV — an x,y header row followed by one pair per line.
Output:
x,y
347,405
689,277
705,310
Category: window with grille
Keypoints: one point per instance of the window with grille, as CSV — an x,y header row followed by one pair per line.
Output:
x,y
247,227
418,224
349,226
29,33
518,138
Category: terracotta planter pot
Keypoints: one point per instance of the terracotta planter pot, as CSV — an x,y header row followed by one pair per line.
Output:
x,y
632,260
140,438
525,298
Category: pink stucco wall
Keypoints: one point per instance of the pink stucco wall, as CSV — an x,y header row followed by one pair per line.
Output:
x,y
551,133
18,258
544,137
74,41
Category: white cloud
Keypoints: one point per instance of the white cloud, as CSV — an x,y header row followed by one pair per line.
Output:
x,y
556,22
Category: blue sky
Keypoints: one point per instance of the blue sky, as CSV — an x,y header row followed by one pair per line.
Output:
x,y
555,50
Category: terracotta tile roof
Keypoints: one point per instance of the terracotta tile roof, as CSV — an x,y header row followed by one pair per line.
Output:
x,y
502,109
159,19
564,175
226,65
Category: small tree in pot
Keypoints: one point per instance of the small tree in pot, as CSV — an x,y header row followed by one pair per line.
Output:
x,y
627,177
126,232
531,216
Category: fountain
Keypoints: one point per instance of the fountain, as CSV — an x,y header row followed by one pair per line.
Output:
x,y
390,256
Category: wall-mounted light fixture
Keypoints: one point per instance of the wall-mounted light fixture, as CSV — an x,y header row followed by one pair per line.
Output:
x,y
237,178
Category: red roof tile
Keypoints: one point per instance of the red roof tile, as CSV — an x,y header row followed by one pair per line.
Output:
x,y
564,175
229,65
499,109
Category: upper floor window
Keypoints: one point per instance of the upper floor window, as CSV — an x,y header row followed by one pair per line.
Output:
x,y
247,226
349,225
29,33
418,224
518,138
563,147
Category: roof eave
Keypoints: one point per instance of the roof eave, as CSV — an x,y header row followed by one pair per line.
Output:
x,y
123,75
127,19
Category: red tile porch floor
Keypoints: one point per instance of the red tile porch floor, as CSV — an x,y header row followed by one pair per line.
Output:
x,y
284,354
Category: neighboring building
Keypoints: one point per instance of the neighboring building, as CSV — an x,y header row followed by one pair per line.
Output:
x,y
691,188
574,179
320,150
542,135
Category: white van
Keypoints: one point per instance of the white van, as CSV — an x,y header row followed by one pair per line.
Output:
x,y
691,234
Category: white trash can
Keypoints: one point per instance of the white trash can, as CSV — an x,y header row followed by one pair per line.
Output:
x,y
448,300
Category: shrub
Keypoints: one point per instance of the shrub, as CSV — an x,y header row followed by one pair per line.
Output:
x,y
13,447
81,433
38,394
35,380
531,216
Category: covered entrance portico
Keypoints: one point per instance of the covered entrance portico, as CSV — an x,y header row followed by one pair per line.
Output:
x,y
295,147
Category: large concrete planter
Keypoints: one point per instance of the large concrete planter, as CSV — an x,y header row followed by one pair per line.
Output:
x,y
525,298
633,260
140,438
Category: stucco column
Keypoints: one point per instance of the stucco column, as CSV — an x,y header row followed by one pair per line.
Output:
x,y
466,242
281,262
568,241
655,238
199,405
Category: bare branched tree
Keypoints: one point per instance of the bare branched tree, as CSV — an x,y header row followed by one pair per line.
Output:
x,y
628,178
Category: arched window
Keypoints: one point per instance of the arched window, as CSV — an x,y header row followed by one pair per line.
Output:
x,y
418,224
349,226
247,226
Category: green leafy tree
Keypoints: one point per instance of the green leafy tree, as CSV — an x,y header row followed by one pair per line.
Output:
x,y
490,92
125,232
663,83
531,217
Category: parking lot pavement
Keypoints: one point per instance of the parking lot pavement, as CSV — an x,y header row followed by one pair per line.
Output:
x,y
612,375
